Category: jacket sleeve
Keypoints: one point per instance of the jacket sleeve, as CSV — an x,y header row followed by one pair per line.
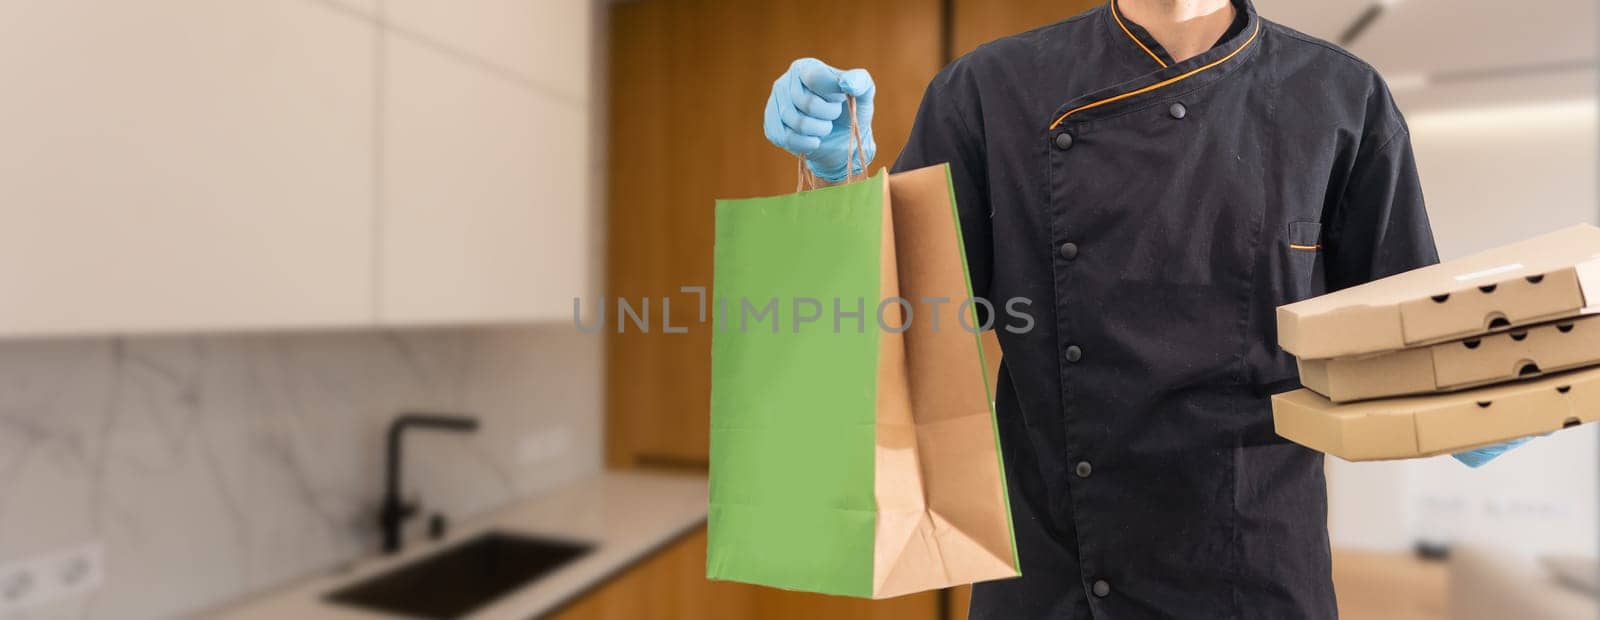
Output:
x,y
945,131
1380,227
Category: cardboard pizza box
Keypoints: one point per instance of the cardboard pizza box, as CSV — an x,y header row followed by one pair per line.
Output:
x,y
1517,353
1552,276
1417,426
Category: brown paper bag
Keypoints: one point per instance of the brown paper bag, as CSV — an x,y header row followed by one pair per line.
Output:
x,y
863,463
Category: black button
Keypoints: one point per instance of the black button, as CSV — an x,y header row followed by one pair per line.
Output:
x,y
1178,110
1063,140
1083,469
1102,589
1074,353
1069,250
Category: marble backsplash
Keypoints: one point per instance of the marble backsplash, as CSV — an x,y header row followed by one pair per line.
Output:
x,y
210,467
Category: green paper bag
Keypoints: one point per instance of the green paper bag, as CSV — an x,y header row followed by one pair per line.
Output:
x,y
853,443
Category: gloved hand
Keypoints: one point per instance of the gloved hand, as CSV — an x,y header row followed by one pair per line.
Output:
x,y
806,115
1476,457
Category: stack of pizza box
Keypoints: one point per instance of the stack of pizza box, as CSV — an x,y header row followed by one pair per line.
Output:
x,y
1487,348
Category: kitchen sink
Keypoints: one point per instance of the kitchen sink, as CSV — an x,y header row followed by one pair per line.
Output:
x,y
461,578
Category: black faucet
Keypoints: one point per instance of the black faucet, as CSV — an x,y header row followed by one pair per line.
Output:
x,y
394,511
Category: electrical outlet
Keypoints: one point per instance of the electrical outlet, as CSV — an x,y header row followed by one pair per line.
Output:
x,y
33,582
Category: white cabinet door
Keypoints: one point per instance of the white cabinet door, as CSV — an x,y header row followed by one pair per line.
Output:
x,y
545,43
185,164
485,190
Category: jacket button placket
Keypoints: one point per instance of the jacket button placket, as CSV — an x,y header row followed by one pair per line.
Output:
x,y
1069,253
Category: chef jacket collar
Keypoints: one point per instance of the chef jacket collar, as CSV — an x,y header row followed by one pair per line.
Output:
x,y
1166,78
1148,47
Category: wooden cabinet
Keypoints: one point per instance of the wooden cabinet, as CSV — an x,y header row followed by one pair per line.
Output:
x,y
975,22
543,43
688,84
184,165
671,585
1390,585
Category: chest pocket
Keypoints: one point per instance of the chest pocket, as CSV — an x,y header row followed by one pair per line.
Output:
x,y
1302,276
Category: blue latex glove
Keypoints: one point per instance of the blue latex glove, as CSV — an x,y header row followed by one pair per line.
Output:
x,y
806,115
1476,457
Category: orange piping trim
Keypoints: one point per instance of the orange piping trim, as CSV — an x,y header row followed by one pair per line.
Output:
x,y
1136,40
1296,246
1167,82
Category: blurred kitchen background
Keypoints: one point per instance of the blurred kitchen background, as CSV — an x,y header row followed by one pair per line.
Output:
x,y
237,239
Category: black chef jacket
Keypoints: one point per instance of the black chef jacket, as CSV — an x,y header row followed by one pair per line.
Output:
x,y
1155,213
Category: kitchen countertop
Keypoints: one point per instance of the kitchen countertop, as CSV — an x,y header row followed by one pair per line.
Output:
x,y
626,515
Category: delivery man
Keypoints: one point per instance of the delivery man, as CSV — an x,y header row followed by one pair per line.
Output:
x,y
1156,176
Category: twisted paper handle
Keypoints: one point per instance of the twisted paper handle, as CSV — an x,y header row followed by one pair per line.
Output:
x,y
807,180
